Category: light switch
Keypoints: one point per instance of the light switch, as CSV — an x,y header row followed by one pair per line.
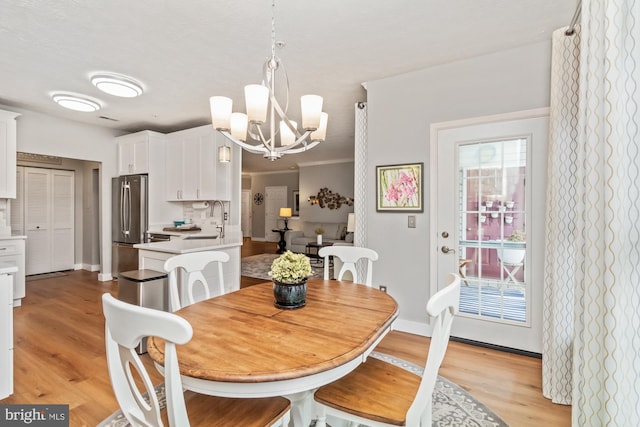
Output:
x,y
412,221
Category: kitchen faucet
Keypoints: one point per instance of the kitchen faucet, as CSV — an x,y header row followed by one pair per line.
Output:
x,y
221,226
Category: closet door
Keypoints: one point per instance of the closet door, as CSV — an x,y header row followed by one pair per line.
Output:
x,y
49,220
37,217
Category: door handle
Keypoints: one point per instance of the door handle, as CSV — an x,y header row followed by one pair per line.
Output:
x,y
447,250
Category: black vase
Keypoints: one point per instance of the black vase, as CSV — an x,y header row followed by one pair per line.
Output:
x,y
290,296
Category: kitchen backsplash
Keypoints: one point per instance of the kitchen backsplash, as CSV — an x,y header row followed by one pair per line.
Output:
x,y
203,216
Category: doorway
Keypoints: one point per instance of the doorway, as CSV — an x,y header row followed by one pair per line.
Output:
x,y
85,247
488,218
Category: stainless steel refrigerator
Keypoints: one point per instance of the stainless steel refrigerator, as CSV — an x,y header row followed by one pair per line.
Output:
x,y
130,217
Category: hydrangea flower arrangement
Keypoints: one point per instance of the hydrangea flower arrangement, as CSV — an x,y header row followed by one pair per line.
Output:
x,y
291,268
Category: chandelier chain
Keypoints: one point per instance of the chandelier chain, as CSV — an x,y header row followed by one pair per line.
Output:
x,y
273,29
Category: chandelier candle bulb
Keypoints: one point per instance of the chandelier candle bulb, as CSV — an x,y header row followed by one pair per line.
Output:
x,y
221,112
239,126
257,102
286,136
321,133
311,108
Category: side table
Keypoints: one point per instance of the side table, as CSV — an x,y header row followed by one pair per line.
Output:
x,y
282,244
312,252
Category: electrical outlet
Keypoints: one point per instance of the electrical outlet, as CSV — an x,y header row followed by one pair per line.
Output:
x,y
412,221
226,216
383,288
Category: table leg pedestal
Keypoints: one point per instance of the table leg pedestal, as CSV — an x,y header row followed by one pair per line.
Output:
x,y
302,408
282,243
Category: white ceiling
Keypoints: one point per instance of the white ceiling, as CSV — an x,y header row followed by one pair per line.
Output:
x,y
186,51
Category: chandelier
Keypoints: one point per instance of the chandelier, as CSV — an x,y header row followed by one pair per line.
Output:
x,y
263,108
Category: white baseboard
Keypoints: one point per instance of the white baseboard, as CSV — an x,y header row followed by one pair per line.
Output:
x,y
411,327
87,267
105,277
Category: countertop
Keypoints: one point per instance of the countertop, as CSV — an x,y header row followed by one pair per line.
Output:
x,y
8,268
185,243
10,237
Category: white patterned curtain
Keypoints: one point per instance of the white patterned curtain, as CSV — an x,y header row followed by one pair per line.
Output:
x,y
360,176
602,287
361,164
559,277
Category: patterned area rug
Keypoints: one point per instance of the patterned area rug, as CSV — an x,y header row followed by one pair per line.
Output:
x,y
452,406
258,266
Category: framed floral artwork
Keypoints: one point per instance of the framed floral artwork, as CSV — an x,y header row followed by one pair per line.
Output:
x,y
399,188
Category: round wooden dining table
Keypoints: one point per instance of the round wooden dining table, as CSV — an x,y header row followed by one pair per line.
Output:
x,y
244,346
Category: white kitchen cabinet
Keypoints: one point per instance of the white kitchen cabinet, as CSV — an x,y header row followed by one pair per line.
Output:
x,y
12,252
8,154
173,169
133,153
144,153
192,170
6,331
17,204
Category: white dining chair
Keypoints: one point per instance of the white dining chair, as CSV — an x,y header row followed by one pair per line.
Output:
x,y
349,255
192,264
368,396
125,325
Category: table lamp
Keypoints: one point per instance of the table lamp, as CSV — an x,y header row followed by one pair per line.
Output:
x,y
351,223
285,213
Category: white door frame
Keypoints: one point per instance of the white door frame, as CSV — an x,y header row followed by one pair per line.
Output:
x,y
275,197
537,222
247,215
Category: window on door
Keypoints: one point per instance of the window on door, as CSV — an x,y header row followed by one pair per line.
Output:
x,y
491,204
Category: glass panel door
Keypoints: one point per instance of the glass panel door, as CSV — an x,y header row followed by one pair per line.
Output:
x,y
489,181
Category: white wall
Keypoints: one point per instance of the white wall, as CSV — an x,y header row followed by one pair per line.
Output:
x,y
400,112
42,134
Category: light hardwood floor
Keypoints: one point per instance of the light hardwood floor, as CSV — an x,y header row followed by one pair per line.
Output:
x,y
59,357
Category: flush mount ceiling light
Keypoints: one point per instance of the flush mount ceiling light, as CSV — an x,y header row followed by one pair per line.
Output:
x,y
262,107
76,102
117,85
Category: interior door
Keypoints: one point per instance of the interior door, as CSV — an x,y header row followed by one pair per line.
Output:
x,y
49,220
489,221
275,197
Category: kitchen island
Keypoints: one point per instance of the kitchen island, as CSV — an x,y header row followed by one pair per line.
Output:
x,y
152,256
